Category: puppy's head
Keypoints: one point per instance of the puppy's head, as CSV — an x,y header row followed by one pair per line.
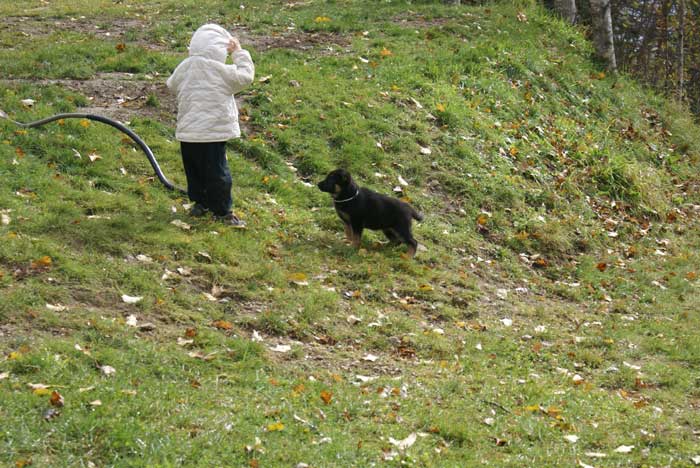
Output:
x,y
335,182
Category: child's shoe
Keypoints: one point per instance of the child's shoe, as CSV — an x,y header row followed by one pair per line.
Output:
x,y
198,210
232,220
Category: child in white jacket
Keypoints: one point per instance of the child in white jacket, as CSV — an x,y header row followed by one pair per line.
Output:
x,y
207,117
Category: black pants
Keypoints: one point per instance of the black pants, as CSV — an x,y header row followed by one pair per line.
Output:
x,y
208,176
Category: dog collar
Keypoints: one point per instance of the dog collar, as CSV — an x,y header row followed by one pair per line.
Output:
x,y
347,199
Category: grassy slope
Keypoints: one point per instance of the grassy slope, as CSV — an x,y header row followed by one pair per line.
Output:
x,y
556,197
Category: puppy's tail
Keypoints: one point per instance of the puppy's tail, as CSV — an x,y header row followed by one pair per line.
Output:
x,y
417,215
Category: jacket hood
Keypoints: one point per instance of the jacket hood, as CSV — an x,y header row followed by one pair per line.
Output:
x,y
210,41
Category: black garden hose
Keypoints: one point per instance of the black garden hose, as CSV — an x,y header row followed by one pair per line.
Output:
x,y
98,118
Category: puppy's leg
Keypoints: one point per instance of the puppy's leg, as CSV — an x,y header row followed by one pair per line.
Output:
x,y
404,233
348,232
392,236
356,235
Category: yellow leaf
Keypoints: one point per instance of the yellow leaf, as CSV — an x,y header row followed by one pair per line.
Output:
x,y
222,324
326,396
322,19
43,262
13,355
513,151
532,408
41,391
440,107
85,123
386,52
425,287
482,219
278,426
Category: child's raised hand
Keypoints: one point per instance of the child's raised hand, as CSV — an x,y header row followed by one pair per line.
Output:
x,y
233,45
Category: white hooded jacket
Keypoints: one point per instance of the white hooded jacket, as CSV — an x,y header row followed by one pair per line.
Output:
x,y
205,86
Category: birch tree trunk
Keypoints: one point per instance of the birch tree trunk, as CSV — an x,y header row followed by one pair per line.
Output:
x,y
566,9
603,32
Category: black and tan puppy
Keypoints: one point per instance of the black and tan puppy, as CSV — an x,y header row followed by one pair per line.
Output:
x,y
361,208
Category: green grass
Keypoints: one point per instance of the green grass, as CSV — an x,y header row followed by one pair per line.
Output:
x,y
556,197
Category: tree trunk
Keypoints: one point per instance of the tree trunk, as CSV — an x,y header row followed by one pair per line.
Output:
x,y
603,32
452,2
566,9
681,50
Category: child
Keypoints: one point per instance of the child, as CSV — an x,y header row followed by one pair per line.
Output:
x,y
207,117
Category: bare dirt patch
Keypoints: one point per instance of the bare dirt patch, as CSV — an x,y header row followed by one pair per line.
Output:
x,y
111,29
120,96
296,40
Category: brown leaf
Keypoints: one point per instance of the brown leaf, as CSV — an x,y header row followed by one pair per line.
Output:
x,y
121,47
56,399
602,266
190,332
326,396
500,442
222,324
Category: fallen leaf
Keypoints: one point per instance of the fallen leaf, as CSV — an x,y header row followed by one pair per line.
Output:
x,y
404,443
278,426
28,102
370,358
300,279
95,403
94,157
602,266
131,299
571,438
352,320
56,399
500,442
56,307
4,375
386,52
624,449
322,19
181,224
326,396
223,324
51,414
40,263
131,321
108,370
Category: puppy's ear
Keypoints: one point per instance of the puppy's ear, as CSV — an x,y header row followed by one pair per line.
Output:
x,y
345,177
